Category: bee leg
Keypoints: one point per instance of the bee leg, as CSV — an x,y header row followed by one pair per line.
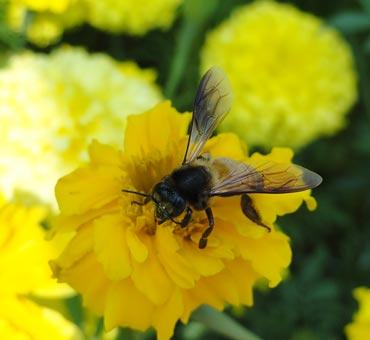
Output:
x,y
146,201
185,221
251,212
203,240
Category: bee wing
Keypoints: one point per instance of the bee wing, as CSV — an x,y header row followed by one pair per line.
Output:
x,y
212,103
233,178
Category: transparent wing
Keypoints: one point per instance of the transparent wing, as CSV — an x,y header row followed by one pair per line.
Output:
x,y
212,103
233,178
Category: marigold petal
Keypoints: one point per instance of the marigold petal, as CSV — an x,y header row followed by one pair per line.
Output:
x,y
359,328
205,265
226,145
224,285
126,306
268,255
138,249
271,206
280,155
204,295
76,195
358,331
68,223
311,203
165,318
110,246
79,245
103,154
151,279
230,206
176,266
163,118
245,277
190,304
86,276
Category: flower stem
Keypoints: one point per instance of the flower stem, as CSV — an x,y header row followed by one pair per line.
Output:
x,y
222,323
195,15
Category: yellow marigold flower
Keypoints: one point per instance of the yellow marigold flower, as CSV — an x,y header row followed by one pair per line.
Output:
x,y
54,6
293,76
75,95
24,255
359,329
139,275
134,17
51,18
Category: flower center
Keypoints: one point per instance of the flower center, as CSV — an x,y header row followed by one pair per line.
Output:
x,y
144,172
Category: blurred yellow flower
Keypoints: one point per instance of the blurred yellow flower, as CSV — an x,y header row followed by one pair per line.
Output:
x,y
52,106
51,18
139,275
46,20
293,77
24,255
359,329
132,16
23,319
23,251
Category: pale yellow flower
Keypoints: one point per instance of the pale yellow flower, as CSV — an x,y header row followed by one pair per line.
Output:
x,y
138,274
293,77
359,329
52,106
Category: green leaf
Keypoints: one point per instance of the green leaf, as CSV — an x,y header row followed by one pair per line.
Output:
x,y
367,45
222,324
365,5
351,22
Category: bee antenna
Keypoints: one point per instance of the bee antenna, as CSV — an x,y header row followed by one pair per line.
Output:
x,y
135,192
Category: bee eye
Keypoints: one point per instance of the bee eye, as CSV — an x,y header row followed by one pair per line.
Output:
x,y
156,197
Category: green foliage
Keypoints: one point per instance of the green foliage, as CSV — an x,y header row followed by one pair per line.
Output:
x,y
8,38
331,246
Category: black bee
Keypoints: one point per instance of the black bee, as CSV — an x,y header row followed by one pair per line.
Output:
x,y
200,177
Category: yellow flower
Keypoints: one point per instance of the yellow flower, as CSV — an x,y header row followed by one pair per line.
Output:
x,y
23,251
52,106
293,77
138,274
54,6
24,255
359,329
23,319
51,18
134,17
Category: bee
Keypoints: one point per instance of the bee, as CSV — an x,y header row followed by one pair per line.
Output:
x,y
201,177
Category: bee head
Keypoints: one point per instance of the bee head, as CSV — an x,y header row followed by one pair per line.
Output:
x,y
168,202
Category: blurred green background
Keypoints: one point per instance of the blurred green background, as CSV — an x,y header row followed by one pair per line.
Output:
x,y
331,247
